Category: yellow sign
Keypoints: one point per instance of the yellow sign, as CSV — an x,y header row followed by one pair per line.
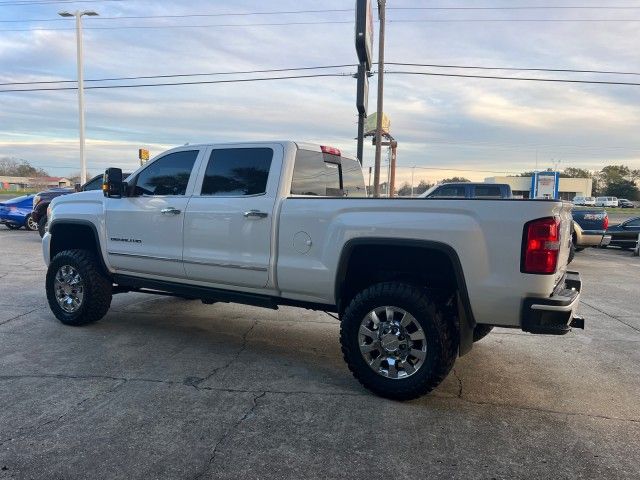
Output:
x,y
371,121
143,154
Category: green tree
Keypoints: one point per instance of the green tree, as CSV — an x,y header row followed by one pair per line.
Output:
x,y
623,188
404,190
455,180
20,168
422,187
572,172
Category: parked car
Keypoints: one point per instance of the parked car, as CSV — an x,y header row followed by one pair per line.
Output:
x,y
590,228
606,202
42,200
286,223
624,203
469,190
584,201
16,213
625,235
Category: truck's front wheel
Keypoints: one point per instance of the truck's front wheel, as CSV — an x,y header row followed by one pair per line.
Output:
x,y
77,290
397,341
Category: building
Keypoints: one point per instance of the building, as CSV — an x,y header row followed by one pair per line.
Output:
x,y
567,187
23,183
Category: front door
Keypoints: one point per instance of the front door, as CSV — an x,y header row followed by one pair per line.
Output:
x,y
144,231
228,223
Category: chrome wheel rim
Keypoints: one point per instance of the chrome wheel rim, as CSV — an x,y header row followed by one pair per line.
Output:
x,y
31,224
69,289
392,342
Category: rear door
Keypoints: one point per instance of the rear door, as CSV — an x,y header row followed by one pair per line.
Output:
x,y
144,231
629,233
229,220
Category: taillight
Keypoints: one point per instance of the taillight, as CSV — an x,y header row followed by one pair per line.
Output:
x,y
330,150
605,222
541,246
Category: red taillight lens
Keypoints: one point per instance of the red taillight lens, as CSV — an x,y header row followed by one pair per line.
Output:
x,y
541,246
330,150
605,222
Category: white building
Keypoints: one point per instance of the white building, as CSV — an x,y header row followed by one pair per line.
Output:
x,y
567,188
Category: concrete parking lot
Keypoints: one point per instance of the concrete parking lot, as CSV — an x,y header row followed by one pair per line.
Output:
x,y
169,388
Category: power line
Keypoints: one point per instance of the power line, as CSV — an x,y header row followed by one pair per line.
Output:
x,y
332,10
202,82
330,22
44,2
320,67
565,70
145,77
522,79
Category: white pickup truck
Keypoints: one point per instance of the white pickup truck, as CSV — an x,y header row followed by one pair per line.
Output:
x,y
413,281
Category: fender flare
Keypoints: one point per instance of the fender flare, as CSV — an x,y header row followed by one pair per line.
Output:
x,y
466,320
55,224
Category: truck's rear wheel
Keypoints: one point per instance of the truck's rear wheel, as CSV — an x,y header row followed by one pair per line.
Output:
x,y
77,290
397,340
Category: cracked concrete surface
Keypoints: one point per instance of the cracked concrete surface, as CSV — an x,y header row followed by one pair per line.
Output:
x,y
169,388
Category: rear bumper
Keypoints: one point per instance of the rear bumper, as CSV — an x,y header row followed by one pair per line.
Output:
x,y
553,315
592,238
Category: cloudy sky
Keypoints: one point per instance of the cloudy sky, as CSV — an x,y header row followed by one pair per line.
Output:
x,y
472,126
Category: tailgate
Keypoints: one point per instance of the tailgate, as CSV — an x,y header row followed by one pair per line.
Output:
x,y
566,221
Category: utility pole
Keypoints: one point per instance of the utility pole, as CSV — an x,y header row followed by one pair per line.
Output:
x,y
392,182
380,107
78,15
413,170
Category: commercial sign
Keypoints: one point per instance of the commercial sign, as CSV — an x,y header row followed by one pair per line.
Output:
x,y
362,98
545,185
364,32
371,123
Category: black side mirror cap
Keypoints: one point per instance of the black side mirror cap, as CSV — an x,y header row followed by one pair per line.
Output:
x,y
112,184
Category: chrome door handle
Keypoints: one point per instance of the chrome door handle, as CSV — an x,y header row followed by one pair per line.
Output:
x,y
255,214
169,210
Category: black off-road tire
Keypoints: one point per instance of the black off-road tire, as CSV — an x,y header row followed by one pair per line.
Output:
x,y
97,288
481,331
42,223
439,328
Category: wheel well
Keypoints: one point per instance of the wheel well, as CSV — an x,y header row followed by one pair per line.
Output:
x,y
68,236
370,264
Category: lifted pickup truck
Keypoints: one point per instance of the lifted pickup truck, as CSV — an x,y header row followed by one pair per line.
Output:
x,y
413,281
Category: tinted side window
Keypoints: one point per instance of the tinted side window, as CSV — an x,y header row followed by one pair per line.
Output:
x,y
95,184
633,223
237,172
168,175
352,179
487,191
313,176
449,191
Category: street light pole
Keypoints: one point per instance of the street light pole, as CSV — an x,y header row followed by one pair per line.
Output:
x,y
380,110
78,15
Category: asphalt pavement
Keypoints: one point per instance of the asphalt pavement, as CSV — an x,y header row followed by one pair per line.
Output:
x,y
170,388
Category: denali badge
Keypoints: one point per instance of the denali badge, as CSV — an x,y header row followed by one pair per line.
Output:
x,y
128,240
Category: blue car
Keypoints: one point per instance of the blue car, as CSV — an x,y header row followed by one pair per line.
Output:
x,y
16,213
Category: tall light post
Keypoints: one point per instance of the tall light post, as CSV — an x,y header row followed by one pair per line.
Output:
x,y
79,14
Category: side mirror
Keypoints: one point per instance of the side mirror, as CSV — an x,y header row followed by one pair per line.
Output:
x,y
112,186
77,187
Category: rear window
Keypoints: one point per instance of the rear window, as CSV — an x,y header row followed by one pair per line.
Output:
x,y
488,191
449,191
324,175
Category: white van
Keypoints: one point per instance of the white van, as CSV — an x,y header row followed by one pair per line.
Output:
x,y
606,202
587,201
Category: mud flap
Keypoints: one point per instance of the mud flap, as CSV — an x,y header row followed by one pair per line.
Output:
x,y
465,328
